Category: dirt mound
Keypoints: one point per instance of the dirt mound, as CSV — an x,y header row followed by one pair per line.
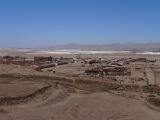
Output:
x,y
22,99
154,101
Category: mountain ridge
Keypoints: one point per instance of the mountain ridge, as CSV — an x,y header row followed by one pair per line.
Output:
x,y
114,46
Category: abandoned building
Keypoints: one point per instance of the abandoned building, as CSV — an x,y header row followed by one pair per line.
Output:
x,y
65,60
121,71
42,59
109,71
96,72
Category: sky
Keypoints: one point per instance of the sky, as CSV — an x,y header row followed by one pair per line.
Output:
x,y
41,23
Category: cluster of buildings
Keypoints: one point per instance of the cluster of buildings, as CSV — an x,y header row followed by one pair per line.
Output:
x,y
100,67
16,60
114,67
38,61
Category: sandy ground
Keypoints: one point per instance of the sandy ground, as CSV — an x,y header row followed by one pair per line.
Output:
x,y
96,106
14,69
65,102
15,89
71,68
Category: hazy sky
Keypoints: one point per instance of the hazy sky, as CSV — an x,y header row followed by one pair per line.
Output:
x,y
35,23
